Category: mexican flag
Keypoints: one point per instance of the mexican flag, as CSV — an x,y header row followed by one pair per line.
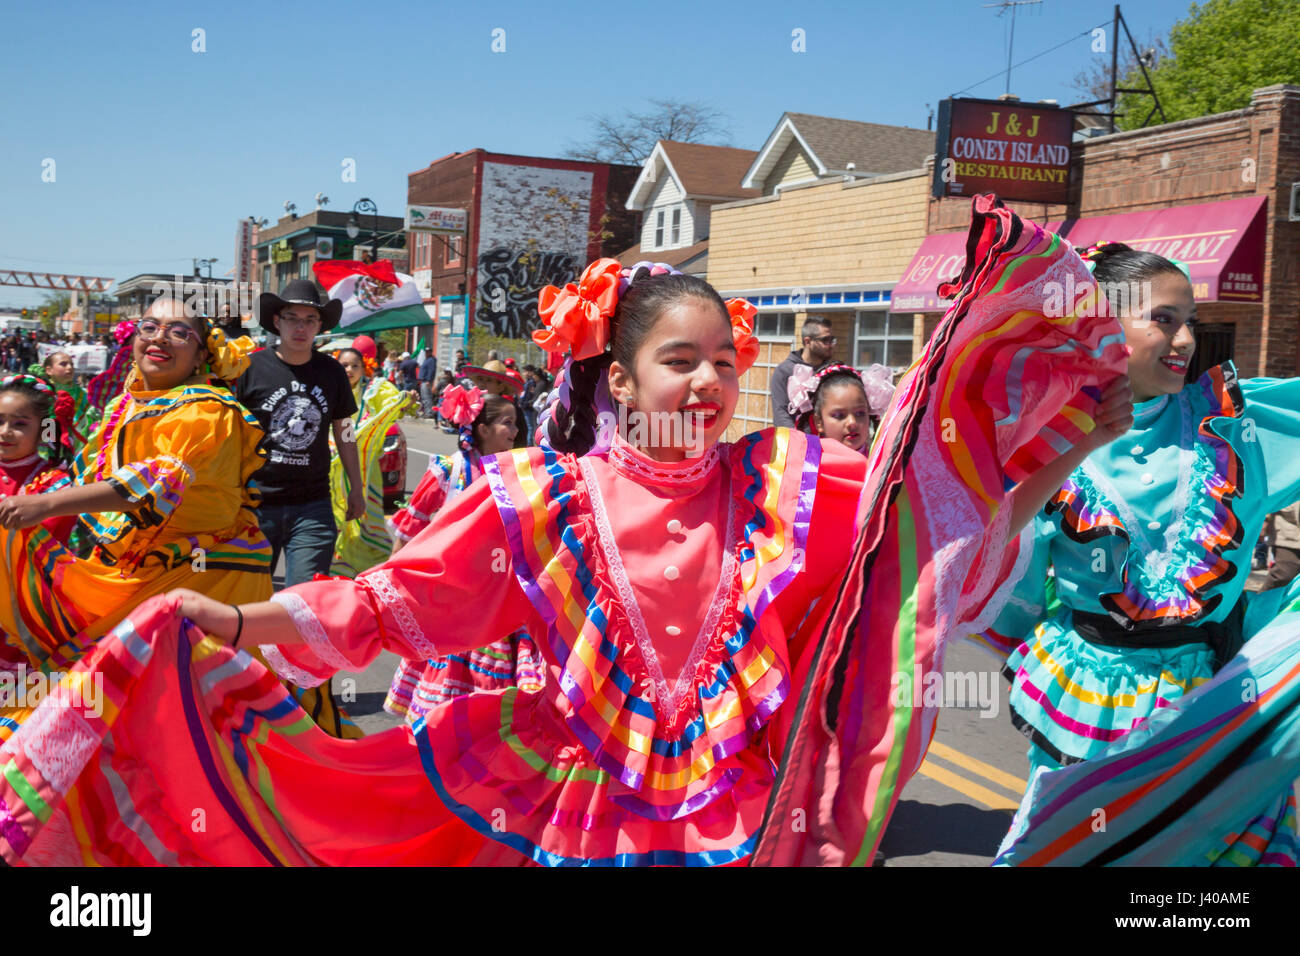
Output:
x,y
375,297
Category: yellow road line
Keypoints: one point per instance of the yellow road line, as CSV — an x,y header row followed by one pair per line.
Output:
x,y
987,771
994,801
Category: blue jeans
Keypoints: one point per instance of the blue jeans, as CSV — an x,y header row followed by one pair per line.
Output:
x,y
305,532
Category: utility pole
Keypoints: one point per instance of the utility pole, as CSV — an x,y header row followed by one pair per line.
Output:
x,y
1012,5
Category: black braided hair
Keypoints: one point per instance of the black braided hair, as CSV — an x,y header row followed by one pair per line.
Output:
x,y
572,425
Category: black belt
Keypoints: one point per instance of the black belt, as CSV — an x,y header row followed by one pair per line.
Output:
x,y
1223,637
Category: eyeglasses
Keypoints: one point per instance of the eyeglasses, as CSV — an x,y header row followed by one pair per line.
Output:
x,y
826,339
178,333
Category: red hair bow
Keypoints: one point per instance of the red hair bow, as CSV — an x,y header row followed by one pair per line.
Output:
x,y
576,318
742,314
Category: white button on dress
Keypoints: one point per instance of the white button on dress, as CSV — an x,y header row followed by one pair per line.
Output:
x,y
1137,450
1148,478
673,630
674,527
671,572
1153,525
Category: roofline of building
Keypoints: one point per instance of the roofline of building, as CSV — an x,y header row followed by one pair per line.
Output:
x,y
489,155
748,181
813,183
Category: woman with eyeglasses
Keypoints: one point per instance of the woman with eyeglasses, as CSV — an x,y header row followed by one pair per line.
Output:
x,y
162,491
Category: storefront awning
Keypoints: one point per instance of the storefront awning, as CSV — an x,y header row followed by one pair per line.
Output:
x,y
1222,244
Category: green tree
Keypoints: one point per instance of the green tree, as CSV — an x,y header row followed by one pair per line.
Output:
x,y
1217,56
53,305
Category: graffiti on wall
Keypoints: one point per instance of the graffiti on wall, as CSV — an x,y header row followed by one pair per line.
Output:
x,y
509,280
534,231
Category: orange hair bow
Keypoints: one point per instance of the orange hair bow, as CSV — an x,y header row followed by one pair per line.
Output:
x,y
576,318
742,314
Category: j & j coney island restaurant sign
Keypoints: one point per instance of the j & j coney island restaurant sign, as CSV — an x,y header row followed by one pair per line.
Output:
x,y
1018,152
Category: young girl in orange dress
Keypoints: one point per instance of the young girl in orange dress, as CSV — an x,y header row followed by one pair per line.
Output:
x,y
487,426
714,692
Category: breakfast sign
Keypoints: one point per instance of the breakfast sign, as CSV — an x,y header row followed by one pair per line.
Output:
x,y
996,146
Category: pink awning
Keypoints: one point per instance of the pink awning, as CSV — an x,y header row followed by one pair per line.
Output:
x,y
1222,244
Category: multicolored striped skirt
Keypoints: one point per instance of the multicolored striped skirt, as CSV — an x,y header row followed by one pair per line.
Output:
x,y
419,686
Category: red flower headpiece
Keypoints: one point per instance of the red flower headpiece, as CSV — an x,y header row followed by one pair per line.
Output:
x,y
576,318
742,314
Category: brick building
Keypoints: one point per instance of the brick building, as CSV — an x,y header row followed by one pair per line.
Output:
x,y
530,222
1214,191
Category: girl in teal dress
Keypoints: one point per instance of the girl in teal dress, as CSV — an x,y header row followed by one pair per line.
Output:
x,y
1133,593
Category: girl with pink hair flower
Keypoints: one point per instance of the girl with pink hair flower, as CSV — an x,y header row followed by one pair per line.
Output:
x,y
487,426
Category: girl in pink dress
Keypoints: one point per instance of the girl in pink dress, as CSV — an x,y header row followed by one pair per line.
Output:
x,y
29,406
487,427
714,692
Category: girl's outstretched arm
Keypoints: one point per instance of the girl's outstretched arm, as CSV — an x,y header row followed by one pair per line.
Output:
x,y
1114,417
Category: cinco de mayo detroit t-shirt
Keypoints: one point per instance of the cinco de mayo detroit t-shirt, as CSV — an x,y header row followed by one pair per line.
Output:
x,y
295,405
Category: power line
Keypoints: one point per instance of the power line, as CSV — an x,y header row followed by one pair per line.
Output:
x,y
99,264
1071,39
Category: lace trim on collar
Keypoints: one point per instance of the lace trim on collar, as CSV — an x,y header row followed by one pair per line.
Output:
x,y
634,463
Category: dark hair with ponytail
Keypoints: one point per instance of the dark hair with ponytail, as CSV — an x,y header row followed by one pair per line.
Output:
x,y
29,386
1119,269
571,426
494,406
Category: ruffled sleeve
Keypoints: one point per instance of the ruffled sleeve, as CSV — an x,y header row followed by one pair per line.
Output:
x,y
207,441
429,496
810,495
451,589
53,478
1265,433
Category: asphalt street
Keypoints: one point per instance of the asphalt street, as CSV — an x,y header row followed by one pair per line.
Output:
x,y
953,812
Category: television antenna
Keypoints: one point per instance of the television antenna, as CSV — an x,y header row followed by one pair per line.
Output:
x,y
1004,5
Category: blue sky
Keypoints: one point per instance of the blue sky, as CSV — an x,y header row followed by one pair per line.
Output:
x,y
158,149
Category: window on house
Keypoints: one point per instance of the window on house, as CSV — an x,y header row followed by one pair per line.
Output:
x,y
677,225
659,229
454,247
775,325
304,267
883,339
266,278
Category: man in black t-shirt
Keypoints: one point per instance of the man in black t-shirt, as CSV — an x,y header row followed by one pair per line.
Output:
x,y
298,395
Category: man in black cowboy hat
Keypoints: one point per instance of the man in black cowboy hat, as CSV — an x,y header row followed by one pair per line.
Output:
x,y
297,394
